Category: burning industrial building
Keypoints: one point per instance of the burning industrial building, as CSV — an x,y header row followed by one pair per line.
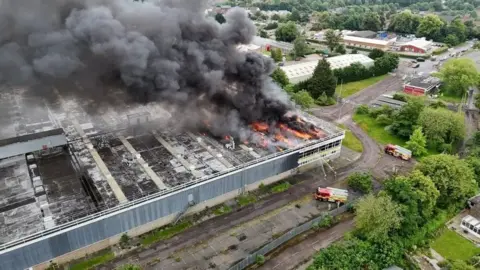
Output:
x,y
122,116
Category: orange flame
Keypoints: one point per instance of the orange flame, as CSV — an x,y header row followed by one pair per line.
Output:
x,y
296,133
260,126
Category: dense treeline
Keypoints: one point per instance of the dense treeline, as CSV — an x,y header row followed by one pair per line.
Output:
x,y
403,216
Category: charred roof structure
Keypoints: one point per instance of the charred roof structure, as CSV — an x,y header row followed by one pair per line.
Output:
x,y
117,159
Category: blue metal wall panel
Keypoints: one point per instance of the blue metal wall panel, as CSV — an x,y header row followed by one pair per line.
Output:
x,y
100,229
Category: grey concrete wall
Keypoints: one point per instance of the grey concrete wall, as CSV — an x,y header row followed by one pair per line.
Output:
x,y
101,229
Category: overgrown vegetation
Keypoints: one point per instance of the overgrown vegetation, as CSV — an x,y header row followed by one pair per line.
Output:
x,y
91,262
360,182
280,187
165,233
222,210
246,199
129,267
428,130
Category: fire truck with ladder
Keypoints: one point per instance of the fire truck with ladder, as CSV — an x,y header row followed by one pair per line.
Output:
x,y
329,194
398,151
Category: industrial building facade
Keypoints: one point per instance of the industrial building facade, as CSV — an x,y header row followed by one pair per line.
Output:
x,y
136,217
71,189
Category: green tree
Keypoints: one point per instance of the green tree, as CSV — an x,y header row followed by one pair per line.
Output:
x,y
361,182
442,126
280,77
371,21
332,39
417,143
300,46
404,22
417,195
458,75
322,80
385,64
286,32
295,15
452,176
474,163
220,18
406,118
458,29
377,217
275,17
303,99
376,53
263,33
340,49
451,40
430,27
276,54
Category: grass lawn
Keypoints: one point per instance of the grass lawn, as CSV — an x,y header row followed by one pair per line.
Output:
x,y
351,141
379,134
280,187
450,98
90,263
165,233
453,246
351,88
376,131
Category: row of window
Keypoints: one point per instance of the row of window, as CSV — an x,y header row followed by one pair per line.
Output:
x,y
322,148
471,227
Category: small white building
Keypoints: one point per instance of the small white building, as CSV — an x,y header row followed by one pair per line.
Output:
x,y
471,224
346,60
303,71
368,43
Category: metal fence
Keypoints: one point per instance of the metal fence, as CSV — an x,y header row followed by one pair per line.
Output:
x,y
251,259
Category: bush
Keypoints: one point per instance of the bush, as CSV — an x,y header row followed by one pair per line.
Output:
x,y
260,259
323,100
326,221
361,182
384,120
363,109
271,26
124,240
440,50
400,97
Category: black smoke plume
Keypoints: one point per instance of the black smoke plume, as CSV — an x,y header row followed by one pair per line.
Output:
x,y
163,51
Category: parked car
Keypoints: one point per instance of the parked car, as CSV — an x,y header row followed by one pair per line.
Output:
x,y
420,59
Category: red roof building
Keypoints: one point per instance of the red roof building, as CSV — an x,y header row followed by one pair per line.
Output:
x,y
417,46
421,86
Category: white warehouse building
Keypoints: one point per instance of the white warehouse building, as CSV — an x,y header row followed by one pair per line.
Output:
x,y
303,71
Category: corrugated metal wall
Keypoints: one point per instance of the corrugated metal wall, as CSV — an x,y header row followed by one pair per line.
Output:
x,y
75,238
